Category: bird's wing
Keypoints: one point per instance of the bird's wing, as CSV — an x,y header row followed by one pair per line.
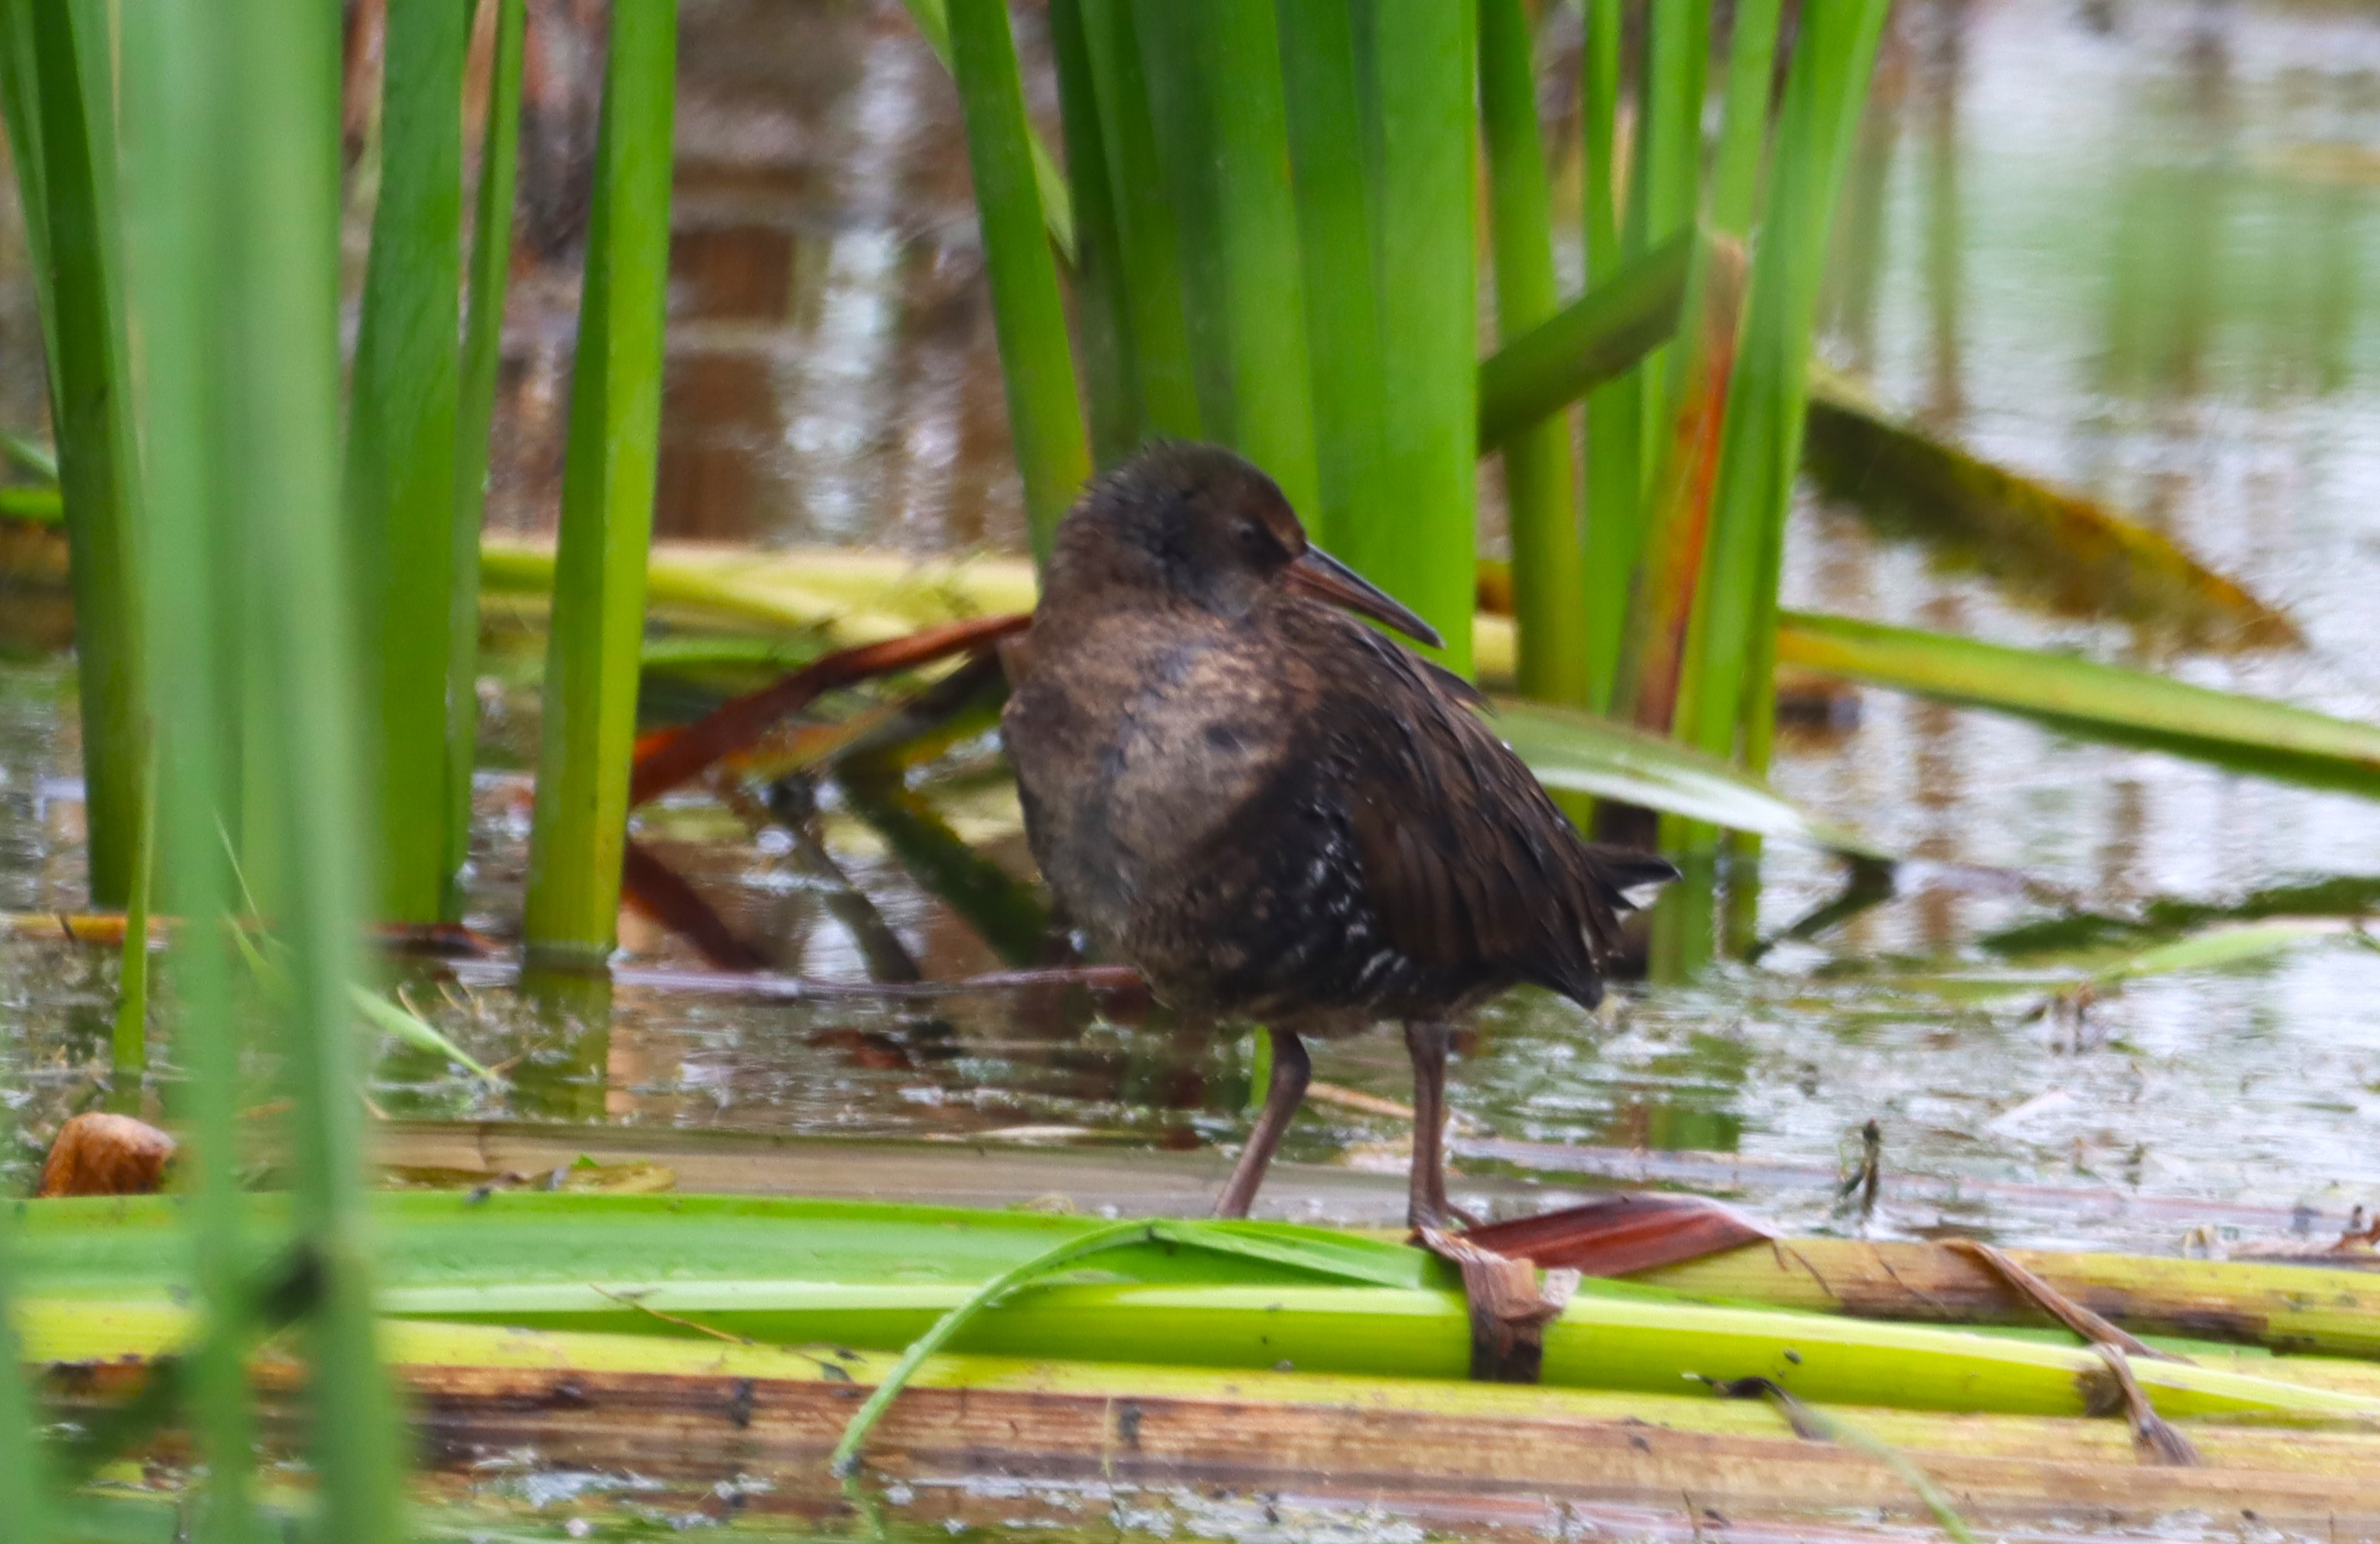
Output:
x,y
1465,859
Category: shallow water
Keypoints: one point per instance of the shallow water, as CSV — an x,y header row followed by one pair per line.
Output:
x,y
2122,246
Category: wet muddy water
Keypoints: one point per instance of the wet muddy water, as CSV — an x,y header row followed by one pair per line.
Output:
x,y
2120,245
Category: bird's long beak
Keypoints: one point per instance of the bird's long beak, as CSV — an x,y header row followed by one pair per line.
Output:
x,y
1329,579
1317,573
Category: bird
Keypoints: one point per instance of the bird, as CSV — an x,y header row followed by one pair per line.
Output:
x,y
1278,813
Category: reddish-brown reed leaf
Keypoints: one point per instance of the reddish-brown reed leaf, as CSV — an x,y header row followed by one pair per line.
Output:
x,y
1661,596
673,761
1616,1234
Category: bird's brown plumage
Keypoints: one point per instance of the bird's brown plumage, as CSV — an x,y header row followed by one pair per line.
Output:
x,y
1276,812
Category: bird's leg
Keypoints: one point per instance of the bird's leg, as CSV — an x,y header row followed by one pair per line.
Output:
x,y
1290,1072
1426,1041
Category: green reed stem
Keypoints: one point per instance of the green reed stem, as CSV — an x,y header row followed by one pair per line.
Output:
x,y
400,475
1833,59
274,383
91,407
492,256
1840,115
1613,437
1148,236
1045,418
177,286
129,1047
1743,128
1598,337
578,830
934,23
1337,233
1220,110
1670,162
20,115
1103,306
1424,68
1549,563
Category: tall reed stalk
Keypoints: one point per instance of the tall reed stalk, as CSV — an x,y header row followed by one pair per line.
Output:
x,y
491,252
1148,242
1044,415
1614,432
1419,111
1220,116
71,208
275,381
1336,214
578,831
401,453
1734,644
1548,561
177,248
1104,306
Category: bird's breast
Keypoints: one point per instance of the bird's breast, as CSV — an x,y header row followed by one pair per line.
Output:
x,y
1135,754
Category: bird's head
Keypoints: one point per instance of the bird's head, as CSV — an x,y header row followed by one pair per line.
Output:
x,y
1196,524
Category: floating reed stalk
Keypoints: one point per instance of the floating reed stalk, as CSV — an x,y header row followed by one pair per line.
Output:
x,y
24,1477
400,473
91,403
275,382
1045,418
1549,572
578,833
491,251
176,252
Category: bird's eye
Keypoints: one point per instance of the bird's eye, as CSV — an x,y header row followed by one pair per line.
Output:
x,y
1249,535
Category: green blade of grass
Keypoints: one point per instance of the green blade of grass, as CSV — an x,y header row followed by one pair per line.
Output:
x,y
2093,701
578,833
400,476
1585,754
1220,114
1423,75
98,474
1549,572
274,383
418,1033
1337,224
492,248
1613,433
1045,417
